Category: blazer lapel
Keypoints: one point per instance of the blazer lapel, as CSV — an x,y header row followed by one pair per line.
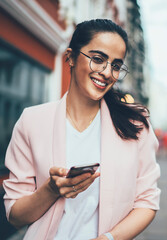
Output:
x,y
59,134
109,151
59,160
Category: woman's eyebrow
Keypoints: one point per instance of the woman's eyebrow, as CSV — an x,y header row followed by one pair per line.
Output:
x,y
105,55
99,52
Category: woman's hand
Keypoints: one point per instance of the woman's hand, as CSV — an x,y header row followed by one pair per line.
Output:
x,y
28,209
69,187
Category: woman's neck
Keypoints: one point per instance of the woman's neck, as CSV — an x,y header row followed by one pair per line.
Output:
x,y
81,111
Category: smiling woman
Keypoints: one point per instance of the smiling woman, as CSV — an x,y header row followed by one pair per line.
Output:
x,y
99,74
108,43
89,125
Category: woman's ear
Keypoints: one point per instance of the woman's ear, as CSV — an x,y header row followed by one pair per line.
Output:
x,y
69,57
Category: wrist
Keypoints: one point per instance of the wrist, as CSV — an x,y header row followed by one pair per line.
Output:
x,y
51,190
109,236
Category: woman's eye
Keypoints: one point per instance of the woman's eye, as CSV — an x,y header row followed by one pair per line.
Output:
x,y
116,67
97,59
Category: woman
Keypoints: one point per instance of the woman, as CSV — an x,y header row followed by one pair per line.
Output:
x,y
89,124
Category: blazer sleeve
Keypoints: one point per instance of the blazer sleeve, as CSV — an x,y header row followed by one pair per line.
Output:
x,y
147,192
19,161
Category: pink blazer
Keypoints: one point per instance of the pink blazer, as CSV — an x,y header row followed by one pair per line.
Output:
x,y
129,171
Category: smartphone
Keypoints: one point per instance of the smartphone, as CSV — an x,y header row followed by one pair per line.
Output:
x,y
78,170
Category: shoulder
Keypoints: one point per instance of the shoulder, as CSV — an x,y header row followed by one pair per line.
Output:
x,y
39,113
147,138
37,117
45,110
40,110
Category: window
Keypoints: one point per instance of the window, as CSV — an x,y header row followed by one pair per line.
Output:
x,y
22,84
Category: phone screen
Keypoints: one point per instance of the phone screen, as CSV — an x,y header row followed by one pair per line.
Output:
x,y
78,170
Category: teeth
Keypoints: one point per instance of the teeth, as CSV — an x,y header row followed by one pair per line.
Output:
x,y
99,83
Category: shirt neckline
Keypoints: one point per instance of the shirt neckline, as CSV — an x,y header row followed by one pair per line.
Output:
x,y
87,129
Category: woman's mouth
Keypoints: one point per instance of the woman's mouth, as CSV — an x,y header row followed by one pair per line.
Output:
x,y
99,84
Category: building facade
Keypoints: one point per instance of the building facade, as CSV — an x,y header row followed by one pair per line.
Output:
x,y
136,57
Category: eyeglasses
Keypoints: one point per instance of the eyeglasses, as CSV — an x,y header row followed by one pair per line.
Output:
x,y
98,64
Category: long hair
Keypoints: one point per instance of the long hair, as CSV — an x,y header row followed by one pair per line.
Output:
x,y
128,120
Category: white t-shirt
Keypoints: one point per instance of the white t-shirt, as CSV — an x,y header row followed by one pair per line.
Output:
x,y
80,219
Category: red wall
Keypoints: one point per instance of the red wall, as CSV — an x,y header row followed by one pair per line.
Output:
x,y
52,8
15,34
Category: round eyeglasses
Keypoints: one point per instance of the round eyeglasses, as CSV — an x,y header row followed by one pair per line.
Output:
x,y
98,64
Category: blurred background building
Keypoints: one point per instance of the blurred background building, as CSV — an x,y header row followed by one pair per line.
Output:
x,y
33,38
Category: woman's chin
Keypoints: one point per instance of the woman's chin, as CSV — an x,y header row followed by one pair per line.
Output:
x,y
98,96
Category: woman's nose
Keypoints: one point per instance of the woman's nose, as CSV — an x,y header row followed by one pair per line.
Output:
x,y
107,71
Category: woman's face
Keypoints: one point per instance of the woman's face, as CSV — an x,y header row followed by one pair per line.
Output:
x,y
91,84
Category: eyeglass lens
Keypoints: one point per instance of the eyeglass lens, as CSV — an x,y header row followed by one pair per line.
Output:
x,y
118,71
